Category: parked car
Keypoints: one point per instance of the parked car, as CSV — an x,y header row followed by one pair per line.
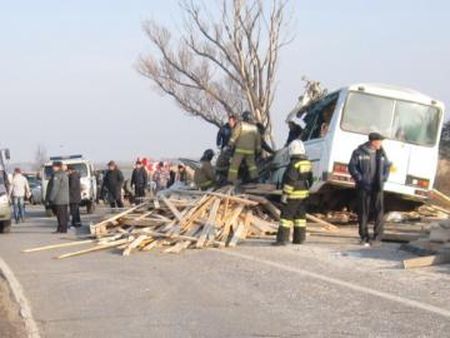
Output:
x,y
36,189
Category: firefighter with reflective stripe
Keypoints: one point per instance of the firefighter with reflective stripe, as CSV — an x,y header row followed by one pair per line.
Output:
x,y
246,142
297,180
204,176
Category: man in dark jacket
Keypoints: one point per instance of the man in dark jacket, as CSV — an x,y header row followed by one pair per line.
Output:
x,y
139,180
74,196
369,167
224,133
113,182
59,196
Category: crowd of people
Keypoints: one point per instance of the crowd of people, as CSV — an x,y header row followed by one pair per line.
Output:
x,y
240,142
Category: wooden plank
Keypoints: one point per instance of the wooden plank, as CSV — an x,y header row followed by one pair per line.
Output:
x,y
119,215
172,209
220,195
134,245
229,223
268,206
209,224
93,249
326,224
420,262
56,246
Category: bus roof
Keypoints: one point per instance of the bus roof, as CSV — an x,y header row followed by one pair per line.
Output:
x,y
393,91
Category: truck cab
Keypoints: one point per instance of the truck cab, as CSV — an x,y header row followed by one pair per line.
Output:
x,y
88,180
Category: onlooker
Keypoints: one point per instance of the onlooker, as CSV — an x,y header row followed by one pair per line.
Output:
x,y
113,182
59,196
161,177
74,196
19,190
369,167
139,180
182,174
224,133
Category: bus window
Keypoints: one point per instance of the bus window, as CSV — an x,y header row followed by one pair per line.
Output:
x,y
416,123
395,119
367,113
319,119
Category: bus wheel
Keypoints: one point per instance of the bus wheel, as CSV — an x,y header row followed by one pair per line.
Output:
x,y
5,227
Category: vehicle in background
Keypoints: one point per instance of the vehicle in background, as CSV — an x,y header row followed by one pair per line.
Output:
x,y
88,180
36,188
5,205
337,123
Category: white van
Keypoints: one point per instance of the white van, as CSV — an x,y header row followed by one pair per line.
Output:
x,y
336,124
88,180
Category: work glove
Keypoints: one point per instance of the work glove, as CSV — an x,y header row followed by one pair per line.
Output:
x,y
284,199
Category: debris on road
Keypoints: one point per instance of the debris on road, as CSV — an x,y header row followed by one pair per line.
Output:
x,y
435,247
180,220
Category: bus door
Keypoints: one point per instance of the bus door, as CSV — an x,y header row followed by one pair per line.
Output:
x,y
318,121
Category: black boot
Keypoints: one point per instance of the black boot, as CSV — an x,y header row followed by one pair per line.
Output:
x,y
282,236
299,235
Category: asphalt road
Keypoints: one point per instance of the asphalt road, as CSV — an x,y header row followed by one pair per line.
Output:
x,y
327,288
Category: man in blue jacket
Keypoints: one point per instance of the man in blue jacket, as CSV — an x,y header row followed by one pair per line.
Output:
x,y
369,167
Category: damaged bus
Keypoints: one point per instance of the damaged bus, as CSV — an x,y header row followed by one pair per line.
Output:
x,y
333,126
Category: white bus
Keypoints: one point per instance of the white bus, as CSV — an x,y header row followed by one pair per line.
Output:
x,y
336,124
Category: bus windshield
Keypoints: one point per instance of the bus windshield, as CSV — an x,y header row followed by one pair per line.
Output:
x,y
81,168
403,121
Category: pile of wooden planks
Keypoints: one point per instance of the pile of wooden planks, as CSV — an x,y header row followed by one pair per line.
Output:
x,y
180,220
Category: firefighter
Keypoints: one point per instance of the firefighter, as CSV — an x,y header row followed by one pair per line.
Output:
x,y
297,180
204,176
246,141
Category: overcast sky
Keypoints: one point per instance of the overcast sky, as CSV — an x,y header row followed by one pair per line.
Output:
x,y
67,77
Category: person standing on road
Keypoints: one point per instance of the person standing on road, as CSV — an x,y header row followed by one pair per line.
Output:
x,y
246,141
113,183
204,177
74,196
369,167
59,196
224,133
297,180
139,180
19,190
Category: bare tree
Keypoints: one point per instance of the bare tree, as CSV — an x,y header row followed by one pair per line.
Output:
x,y
220,64
40,157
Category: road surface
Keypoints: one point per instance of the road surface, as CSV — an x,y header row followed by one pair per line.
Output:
x,y
326,288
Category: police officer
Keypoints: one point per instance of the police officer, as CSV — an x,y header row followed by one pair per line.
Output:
x,y
246,141
204,177
297,180
369,167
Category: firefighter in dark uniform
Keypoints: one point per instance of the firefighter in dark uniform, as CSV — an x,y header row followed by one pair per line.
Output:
x,y
204,177
246,141
297,180
369,167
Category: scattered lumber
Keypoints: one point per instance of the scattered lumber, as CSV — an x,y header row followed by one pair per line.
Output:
x,y
421,262
179,220
435,248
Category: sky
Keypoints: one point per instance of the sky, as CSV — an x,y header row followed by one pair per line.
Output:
x,y
68,80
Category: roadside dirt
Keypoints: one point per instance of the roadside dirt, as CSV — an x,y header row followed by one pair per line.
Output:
x,y
11,323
